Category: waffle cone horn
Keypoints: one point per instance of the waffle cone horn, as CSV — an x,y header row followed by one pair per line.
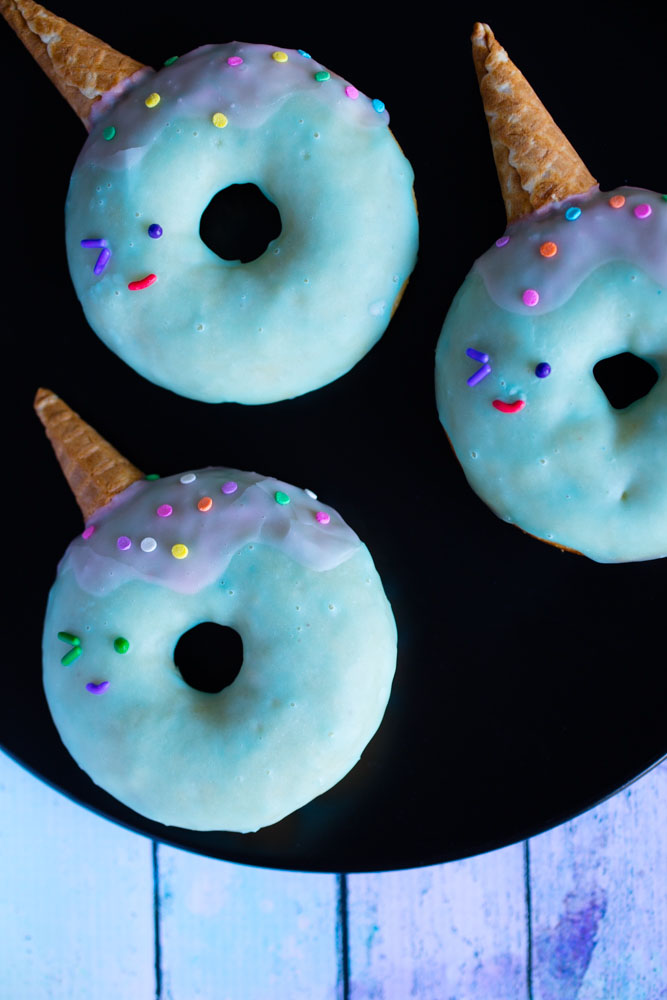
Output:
x,y
95,471
535,162
82,67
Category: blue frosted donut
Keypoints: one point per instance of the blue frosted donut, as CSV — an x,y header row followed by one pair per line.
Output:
x,y
321,294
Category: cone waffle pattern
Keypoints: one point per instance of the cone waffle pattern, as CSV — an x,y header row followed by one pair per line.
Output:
x,y
95,471
535,162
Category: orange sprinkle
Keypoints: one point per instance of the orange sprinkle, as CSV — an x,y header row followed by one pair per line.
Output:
x,y
617,201
205,504
549,249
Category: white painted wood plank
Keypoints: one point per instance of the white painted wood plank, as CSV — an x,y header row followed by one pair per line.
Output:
x,y
599,900
450,932
76,895
228,932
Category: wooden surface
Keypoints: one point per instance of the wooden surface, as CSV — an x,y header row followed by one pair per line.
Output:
x,y
89,910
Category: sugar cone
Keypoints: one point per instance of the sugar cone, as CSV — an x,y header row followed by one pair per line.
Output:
x,y
95,471
535,162
82,67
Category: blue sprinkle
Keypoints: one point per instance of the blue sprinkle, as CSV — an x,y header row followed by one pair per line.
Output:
x,y
94,243
306,55
155,231
477,355
479,375
102,260
378,105
572,213
543,369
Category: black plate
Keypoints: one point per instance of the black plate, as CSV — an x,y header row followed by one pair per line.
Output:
x,y
526,688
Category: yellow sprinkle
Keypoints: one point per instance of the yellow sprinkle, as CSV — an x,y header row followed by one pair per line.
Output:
x,y
179,551
219,120
280,56
152,100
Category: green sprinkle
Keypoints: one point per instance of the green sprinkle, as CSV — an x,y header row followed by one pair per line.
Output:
x,y
121,645
153,475
109,132
170,60
322,75
664,197
74,653
281,497
73,640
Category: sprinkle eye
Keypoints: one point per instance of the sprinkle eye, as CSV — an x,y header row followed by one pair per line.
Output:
x,y
481,372
543,369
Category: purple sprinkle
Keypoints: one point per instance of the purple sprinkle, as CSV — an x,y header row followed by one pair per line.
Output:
x,y
165,510
124,543
155,231
94,244
543,369
479,375
642,211
229,487
102,260
88,531
97,688
503,241
477,355
530,297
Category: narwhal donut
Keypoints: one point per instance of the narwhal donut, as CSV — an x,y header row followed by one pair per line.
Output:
x,y
578,277
213,545
162,145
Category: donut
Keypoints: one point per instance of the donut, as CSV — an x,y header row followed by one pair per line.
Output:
x,y
162,145
578,278
249,552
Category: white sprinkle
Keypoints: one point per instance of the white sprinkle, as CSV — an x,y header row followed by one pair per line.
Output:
x,y
310,493
148,544
188,477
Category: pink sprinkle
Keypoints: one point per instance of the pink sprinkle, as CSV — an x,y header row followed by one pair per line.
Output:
x,y
87,532
351,92
503,241
642,211
530,297
124,543
322,517
229,487
164,510
234,61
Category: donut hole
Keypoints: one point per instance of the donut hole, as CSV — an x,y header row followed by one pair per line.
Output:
x,y
239,222
209,657
624,378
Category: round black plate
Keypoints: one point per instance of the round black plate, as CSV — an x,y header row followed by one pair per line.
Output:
x,y
526,689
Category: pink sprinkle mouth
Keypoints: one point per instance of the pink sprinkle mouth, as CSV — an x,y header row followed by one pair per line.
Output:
x,y
514,407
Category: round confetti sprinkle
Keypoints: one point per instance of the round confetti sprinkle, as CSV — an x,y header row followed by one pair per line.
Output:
x,y
306,55
229,487
378,105
148,544
503,241
152,100
281,497
280,57
121,645
642,211
179,551
155,231
164,510
543,369
97,688
152,476
351,92
549,249
170,61
322,517
188,477
617,201
530,297
137,286
219,120
109,132
205,504
124,543
88,531
310,493
322,75
572,213
71,655
234,61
